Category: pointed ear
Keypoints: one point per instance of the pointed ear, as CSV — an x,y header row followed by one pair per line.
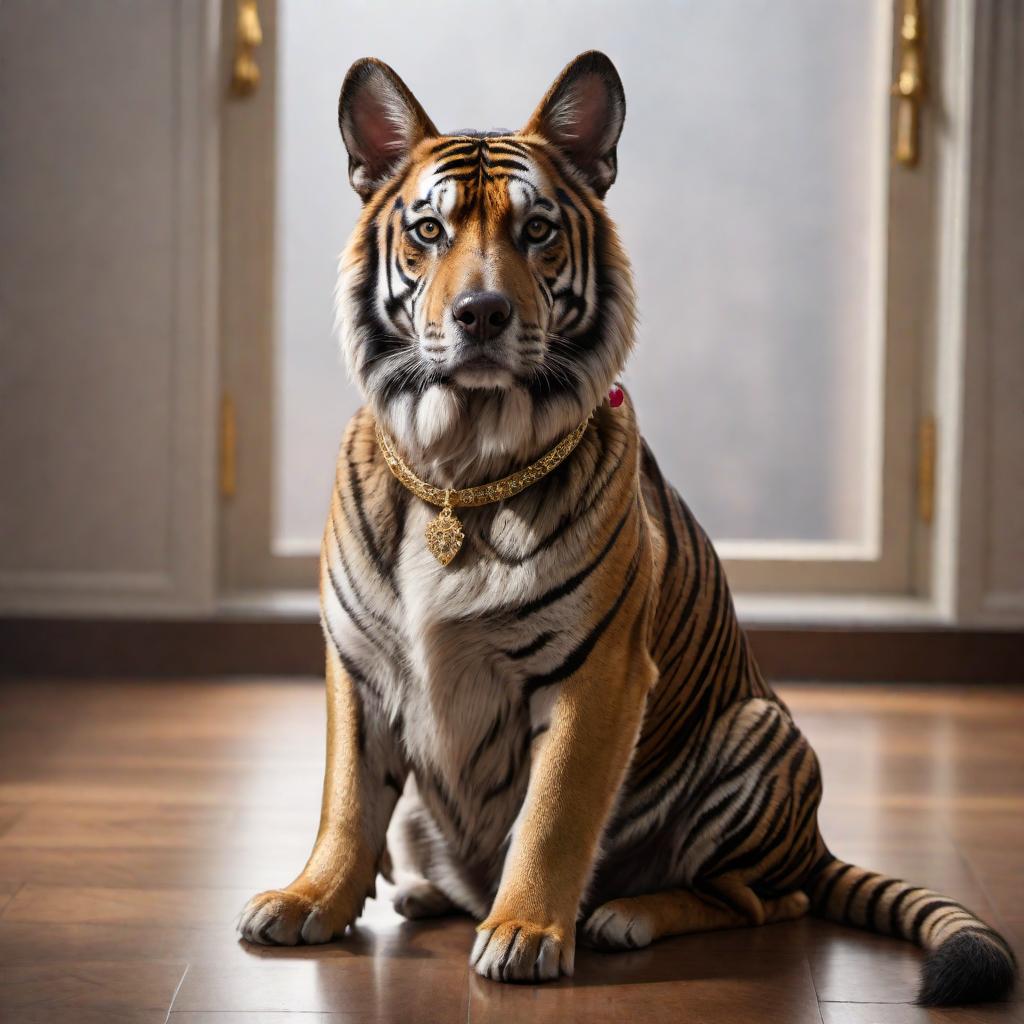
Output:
x,y
582,115
381,121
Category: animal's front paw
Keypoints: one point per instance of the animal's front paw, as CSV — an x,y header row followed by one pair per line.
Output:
x,y
281,917
522,951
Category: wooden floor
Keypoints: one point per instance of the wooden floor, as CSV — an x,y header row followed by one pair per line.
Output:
x,y
135,819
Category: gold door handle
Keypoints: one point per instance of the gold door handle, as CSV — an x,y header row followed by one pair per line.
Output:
x,y
245,74
909,88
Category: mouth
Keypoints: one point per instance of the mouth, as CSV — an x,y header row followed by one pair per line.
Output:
x,y
480,362
482,371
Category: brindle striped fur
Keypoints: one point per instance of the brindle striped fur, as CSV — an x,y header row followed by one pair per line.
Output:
x,y
565,728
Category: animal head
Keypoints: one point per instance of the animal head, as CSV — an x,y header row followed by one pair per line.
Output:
x,y
484,301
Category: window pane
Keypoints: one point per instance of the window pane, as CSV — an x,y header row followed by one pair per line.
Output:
x,y
751,197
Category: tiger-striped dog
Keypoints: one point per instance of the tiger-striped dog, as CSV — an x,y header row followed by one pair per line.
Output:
x,y
568,717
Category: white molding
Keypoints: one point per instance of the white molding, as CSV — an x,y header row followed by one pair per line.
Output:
x,y
839,610
37,592
283,604
952,140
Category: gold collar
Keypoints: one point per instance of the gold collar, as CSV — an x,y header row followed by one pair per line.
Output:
x,y
444,534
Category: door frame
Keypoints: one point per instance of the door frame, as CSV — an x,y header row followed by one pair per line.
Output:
x,y
897,558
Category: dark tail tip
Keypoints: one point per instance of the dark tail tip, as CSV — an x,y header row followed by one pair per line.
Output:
x,y
970,967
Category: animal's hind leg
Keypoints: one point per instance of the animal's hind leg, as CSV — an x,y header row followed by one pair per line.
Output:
x,y
416,898
427,881
640,920
786,908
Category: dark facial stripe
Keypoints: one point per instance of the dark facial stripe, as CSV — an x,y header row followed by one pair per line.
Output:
x,y
389,256
455,145
512,165
378,343
459,164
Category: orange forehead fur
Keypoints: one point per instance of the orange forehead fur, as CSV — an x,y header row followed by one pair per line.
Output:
x,y
488,204
482,217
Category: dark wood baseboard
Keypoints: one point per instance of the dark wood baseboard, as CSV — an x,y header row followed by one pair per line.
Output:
x,y
272,647
873,654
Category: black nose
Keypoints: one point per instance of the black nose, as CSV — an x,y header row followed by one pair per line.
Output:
x,y
483,315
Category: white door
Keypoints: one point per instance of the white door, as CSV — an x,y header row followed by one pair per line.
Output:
x,y
781,256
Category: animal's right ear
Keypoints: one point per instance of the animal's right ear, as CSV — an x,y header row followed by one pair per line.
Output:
x,y
582,115
381,121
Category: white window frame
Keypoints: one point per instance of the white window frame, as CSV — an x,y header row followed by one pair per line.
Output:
x,y
897,559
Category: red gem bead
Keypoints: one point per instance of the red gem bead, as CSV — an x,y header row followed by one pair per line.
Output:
x,y
615,396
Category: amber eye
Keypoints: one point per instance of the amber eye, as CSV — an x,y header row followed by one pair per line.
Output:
x,y
429,231
538,230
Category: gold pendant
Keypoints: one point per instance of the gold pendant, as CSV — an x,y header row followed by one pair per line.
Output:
x,y
444,536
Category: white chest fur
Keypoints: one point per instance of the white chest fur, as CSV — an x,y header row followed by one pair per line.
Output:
x,y
451,654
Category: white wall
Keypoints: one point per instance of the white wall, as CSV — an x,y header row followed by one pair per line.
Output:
x,y
107,304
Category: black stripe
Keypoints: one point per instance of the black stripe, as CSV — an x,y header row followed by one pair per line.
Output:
x,y
851,893
458,164
925,912
452,146
499,142
577,658
503,785
491,735
772,729
383,623
895,925
705,658
825,894
871,907
810,796
369,539
738,828
432,786
568,586
768,846
511,165
682,608
531,648
820,865
353,616
553,483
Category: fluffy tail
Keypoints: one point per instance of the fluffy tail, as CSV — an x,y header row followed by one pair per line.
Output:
x,y
967,961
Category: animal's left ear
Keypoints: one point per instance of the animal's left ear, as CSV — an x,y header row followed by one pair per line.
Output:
x,y
381,121
582,115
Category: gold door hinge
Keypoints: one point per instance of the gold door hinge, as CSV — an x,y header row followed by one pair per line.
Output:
x,y
245,72
926,448
228,446
909,87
